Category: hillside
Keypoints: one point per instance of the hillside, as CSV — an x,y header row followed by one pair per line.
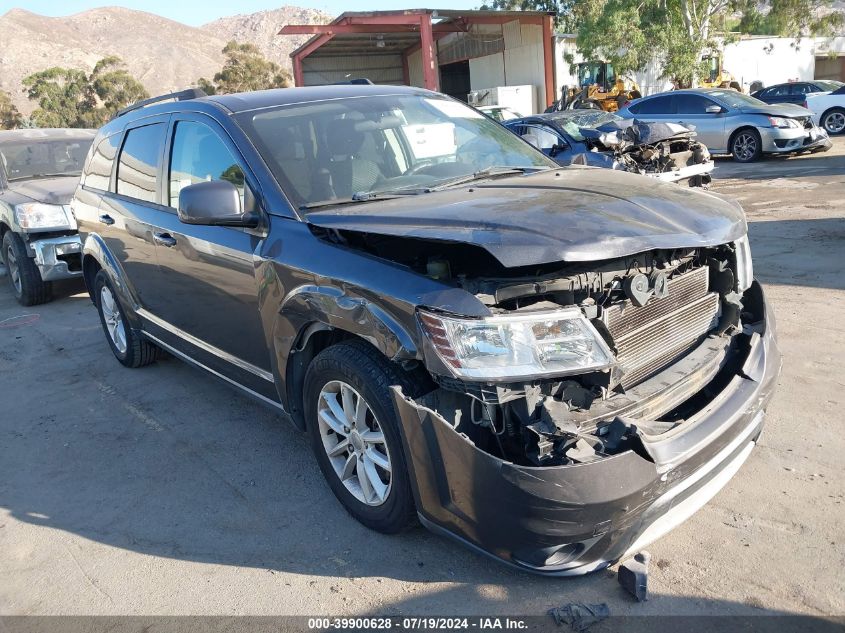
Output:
x,y
163,54
262,29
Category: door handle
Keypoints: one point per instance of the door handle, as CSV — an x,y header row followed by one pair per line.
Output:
x,y
106,219
165,239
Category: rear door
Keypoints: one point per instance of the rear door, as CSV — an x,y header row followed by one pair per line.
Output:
x,y
691,110
128,212
206,300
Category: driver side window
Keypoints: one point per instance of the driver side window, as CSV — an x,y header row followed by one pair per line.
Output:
x,y
199,155
546,140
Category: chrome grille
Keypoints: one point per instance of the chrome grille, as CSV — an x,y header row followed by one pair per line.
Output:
x,y
650,337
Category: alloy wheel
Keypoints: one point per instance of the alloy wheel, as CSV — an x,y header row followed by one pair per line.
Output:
x,y
354,442
745,146
113,319
14,270
834,122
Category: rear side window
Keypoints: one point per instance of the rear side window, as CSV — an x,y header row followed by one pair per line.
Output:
x,y
98,175
658,105
140,159
199,155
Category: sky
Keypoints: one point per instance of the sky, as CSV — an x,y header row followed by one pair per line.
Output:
x,y
196,12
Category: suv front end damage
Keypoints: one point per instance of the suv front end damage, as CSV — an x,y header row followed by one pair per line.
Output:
x,y
569,472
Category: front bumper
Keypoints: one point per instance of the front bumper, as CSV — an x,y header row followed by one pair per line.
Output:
x,y
58,257
778,141
574,519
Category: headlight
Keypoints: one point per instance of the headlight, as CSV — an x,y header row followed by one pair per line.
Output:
x,y
517,347
783,123
744,267
35,215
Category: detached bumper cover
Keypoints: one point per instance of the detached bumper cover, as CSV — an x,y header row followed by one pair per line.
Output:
x,y
571,520
58,257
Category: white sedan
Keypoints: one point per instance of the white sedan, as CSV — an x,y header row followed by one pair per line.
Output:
x,y
828,110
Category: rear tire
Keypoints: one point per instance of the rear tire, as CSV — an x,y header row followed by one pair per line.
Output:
x,y
126,344
24,277
337,380
833,121
746,145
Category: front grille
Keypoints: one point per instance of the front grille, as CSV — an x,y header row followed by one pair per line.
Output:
x,y
650,337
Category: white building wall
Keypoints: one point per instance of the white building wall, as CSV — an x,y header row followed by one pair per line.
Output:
x,y
524,63
771,60
487,72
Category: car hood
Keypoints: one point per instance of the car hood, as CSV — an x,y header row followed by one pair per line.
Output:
x,y
778,109
47,190
572,214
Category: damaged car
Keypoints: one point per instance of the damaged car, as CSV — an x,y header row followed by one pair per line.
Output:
x,y
39,170
666,151
554,366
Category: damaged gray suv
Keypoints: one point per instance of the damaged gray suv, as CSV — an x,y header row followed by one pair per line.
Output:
x,y
553,366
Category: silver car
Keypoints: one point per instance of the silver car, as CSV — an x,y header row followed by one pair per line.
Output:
x,y
729,122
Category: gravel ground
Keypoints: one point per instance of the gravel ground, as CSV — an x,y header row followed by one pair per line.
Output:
x,y
161,491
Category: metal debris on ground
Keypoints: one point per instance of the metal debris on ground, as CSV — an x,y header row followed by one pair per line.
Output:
x,y
578,616
633,576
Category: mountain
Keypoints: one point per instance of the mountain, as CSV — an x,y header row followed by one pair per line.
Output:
x,y
262,29
163,54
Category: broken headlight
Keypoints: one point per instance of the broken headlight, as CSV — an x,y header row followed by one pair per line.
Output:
x,y
783,123
744,267
36,215
517,347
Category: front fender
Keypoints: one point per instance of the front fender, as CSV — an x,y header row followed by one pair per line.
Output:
x,y
331,306
94,248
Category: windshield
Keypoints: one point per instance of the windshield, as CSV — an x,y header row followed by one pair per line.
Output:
x,y
38,159
829,84
572,125
339,149
734,99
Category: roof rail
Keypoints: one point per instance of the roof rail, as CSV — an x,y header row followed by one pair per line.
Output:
x,y
182,95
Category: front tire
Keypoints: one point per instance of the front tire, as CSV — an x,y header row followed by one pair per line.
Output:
x,y
354,434
833,121
127,345
746,146
25,278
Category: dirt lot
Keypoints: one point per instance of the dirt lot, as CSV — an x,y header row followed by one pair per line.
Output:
x,y
161,491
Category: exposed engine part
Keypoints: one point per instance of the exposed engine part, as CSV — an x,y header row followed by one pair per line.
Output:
x,y
650,148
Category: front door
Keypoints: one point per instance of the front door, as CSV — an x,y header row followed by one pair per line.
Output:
x,y
691,111
206,294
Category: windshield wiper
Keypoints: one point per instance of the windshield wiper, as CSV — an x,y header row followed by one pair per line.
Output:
x,y
363,196
487,172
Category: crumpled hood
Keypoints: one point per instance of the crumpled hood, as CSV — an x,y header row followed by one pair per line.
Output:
x,y
571,214
47,190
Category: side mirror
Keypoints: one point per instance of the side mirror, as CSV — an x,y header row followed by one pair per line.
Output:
x,y
214,203
556,149
713,109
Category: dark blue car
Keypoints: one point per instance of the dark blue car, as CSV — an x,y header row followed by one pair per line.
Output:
x,y
795,92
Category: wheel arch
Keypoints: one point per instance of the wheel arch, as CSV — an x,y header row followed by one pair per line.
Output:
x,y
835,108
96,257
312,318
741,128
